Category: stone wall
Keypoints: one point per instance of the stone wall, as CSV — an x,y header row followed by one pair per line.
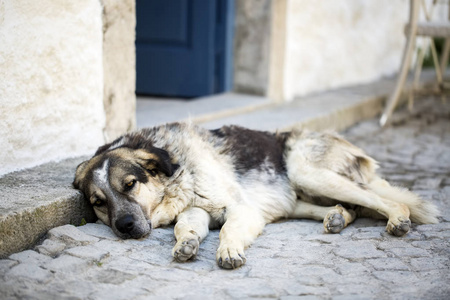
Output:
x,y
288,48
119,66
64,66
336,43
252,46
51,81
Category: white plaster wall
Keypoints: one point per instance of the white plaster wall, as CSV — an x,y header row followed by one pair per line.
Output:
x,y
119,66
51,81
333,43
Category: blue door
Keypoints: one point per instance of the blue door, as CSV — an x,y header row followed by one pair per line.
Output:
x,y
183,47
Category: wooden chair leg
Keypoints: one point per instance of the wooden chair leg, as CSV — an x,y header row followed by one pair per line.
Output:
x,y
418,70
444,56
444,63
406,61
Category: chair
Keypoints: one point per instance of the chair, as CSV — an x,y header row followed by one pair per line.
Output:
x,y
414,28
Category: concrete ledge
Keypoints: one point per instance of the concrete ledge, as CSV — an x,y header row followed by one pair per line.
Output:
x,y
38,199
345,117
335,109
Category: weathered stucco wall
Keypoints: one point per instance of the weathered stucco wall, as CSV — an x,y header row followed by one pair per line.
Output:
x,y
289,48
119,66
252,46
337,43
51,81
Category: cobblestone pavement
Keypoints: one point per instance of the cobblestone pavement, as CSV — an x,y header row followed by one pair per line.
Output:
x,y
290,260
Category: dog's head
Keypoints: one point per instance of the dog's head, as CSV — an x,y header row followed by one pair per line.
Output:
x,y
125,184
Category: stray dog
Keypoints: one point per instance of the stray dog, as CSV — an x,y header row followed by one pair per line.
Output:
x,y
237,179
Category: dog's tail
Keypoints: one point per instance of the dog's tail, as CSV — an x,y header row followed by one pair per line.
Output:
x,y
422,211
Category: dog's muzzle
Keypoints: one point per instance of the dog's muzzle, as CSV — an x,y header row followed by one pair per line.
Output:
x,y
129,227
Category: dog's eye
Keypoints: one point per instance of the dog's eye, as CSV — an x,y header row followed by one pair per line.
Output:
x,y
98,202
130,184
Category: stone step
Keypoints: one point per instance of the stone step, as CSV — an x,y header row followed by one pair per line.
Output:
x,y
36,200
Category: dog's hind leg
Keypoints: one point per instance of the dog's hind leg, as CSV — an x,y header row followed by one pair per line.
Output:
x,y
422,212
326,183
191,228
335,218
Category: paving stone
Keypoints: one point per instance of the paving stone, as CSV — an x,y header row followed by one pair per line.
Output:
x,y
310,253
272,265
296,289
117,292
252,288
351,268
51,247
30,271
400,277
427,184
323,238
70,235
432,245
408,252
380,264
156,255
171,274
373,233
115,248
128,265
314,271
445,235
31,257
88,252
358,250
307,297
412,235
443,226
393,243
6,264
446,190
433,263
102,275
68,264
27,292
99,230
370,290
73,288
350,278
354,296
185,291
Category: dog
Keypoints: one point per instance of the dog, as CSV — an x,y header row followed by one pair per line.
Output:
x,y
238,180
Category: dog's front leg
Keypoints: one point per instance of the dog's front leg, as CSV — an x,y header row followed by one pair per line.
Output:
x,y
191,228
243,224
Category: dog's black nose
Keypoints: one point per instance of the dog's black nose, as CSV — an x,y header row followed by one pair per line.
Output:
x,y
125,224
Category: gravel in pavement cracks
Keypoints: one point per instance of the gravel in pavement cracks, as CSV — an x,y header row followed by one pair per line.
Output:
x,y
292,259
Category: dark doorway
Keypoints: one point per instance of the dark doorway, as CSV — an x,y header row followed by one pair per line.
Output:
x,y
184,47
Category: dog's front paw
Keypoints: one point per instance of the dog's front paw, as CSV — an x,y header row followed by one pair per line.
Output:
x,y
230,258
398,227
185,250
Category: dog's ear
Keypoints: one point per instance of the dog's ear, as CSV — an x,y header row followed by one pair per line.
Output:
x,y
117,142
102,149
156,160
79,174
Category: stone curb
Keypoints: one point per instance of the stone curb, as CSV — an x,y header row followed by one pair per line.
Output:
x,y
36,200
